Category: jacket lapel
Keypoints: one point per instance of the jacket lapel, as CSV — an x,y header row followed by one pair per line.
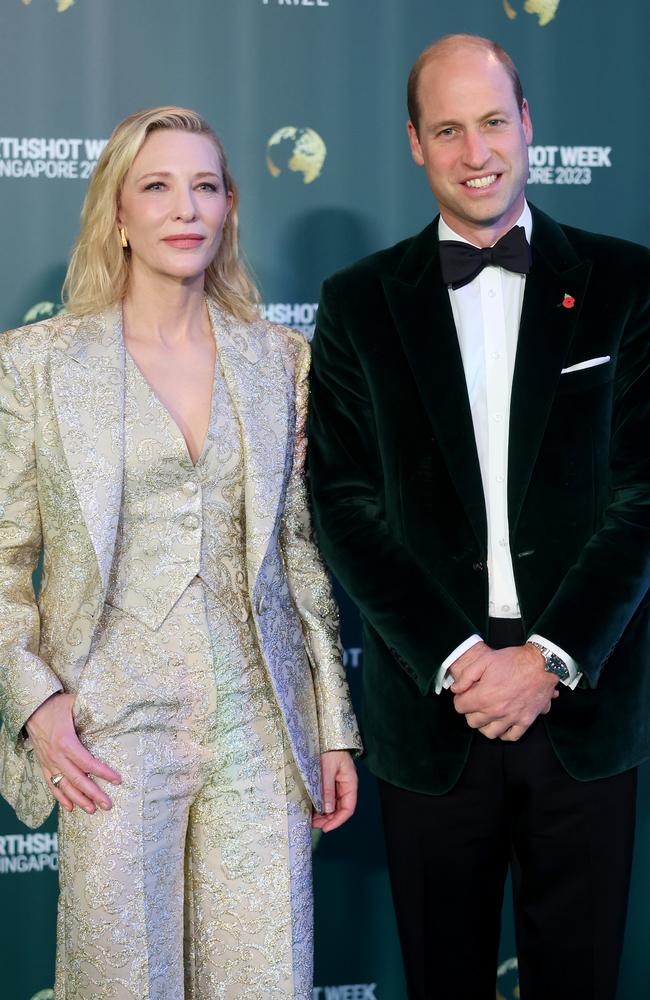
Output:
x,y
262,392
88,390
545,334
419,303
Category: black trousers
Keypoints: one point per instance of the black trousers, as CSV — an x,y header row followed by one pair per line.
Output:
x,y
569,845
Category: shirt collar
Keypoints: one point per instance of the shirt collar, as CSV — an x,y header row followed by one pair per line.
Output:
x,y
445,232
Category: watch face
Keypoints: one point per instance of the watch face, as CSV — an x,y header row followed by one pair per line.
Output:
x,y
552,662
557,666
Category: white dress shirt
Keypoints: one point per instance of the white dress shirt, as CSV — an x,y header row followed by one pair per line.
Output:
x,y
487,312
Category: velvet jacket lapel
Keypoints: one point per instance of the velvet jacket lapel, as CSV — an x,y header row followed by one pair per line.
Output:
x,y
419,304
545,334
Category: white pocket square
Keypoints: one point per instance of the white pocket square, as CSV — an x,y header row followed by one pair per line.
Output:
x,y
585,364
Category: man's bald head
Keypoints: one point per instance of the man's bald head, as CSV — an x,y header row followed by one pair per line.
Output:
x,y
451,45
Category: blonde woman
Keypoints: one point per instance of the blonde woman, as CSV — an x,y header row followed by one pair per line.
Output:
x,y
177,686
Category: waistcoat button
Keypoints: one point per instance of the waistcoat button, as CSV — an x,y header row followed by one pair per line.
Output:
x,y
190,488
191,522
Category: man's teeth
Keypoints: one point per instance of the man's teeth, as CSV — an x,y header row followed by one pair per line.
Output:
x,y
481,182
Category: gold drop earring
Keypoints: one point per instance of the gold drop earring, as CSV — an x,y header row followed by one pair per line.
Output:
x,y
123,238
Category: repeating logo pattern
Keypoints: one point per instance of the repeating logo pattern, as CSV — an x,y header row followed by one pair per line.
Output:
x,y
42,310
296,3
61,6
544,9
23,853
300,316
56,158
298,149
566,164
508,980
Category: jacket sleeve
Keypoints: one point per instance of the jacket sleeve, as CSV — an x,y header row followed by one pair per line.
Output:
x,y
311,591
416,618
25,680
609,582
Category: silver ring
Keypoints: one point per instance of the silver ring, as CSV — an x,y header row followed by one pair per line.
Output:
x,y
56,779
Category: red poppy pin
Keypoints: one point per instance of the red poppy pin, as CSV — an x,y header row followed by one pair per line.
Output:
x,y
568,301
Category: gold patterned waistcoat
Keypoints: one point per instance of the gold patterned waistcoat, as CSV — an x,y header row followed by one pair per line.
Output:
x,y
178,520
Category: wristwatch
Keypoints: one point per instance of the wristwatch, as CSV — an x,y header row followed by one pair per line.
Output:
x,y
553,663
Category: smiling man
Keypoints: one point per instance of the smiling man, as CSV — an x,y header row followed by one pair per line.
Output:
x,y
479,466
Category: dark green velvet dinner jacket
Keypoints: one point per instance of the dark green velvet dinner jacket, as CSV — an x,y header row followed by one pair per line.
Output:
x,y
399,507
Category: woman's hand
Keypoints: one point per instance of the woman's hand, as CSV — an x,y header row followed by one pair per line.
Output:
x,y
59,751
339,776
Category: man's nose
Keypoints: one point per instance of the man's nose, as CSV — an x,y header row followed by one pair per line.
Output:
x,y
476,151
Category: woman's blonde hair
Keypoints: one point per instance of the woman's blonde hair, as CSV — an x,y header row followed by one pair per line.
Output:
x,y
98,273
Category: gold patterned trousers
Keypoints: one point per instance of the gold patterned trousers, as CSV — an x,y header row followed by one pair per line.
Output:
x,y
197,884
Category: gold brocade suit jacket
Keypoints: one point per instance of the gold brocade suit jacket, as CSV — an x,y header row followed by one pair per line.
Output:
x,y
61,464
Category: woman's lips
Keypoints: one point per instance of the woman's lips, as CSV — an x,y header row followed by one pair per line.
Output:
x,y
185,241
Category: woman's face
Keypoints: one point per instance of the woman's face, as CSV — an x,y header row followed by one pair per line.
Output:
x,y
173,205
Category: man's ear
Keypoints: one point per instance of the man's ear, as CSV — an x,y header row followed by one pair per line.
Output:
x,y
414,143
526,121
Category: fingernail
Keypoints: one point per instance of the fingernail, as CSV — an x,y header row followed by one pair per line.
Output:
x,y
89,809
329,807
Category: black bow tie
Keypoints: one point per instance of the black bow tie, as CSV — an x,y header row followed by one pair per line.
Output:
x,y
461,262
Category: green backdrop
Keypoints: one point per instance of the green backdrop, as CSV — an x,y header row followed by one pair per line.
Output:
x,y
308,96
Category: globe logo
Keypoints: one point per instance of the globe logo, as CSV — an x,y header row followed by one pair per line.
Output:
x,y
507,980
43,994
42,310
544,9
61,5
298,149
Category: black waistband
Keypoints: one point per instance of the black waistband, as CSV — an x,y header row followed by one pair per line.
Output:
x,y
505,632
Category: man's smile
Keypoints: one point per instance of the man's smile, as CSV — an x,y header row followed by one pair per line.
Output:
x,y
481,182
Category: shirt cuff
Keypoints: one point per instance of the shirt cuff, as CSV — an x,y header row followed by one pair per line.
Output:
x,y
444,679
575,674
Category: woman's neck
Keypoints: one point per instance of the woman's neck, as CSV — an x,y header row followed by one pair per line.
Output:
x,y
164,310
